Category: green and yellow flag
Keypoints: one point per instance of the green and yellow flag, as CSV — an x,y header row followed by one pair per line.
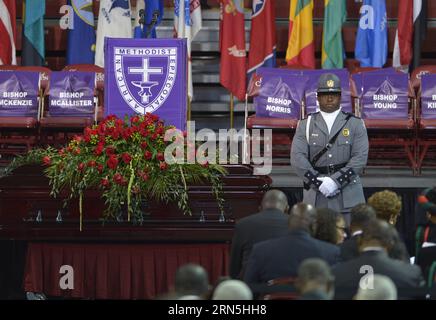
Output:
x,y
301,48
332,45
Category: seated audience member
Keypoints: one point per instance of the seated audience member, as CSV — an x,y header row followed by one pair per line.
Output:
x,y
426,233
398,249
387,205
315,280
330,226
360,215
191,283
232,290
271,222
374,243
382,288
281,257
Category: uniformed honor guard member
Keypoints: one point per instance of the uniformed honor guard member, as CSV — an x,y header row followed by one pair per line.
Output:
x,y
329,150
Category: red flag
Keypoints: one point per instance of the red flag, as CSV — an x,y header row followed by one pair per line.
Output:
x,y
403,41
7,32
232,47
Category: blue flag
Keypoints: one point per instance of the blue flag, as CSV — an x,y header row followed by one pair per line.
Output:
x,y
81,38
33,49
372,34
149,15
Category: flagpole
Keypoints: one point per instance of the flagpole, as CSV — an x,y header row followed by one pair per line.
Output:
x,y
189,109
244,145
231,111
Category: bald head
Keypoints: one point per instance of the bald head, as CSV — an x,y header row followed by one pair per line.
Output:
x,y
302,216
275,199
191,279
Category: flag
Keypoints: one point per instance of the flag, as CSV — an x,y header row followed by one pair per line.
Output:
x,y
332,45
420,29
114,21
7,32
81,38
32,51
232,47
301,48
403,37
372,35
262,51
152,16
187,23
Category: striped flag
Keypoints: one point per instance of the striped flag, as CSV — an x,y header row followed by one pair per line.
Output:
x,y
301,48
233,69
33,49
262,36
81,38
114,21
7,32
403,36
420,29
332,45
187,23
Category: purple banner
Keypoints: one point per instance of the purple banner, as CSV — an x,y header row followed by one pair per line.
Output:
x,y
357,77
19,93
280,96
428,96
147,75
385,96
72,94
312,86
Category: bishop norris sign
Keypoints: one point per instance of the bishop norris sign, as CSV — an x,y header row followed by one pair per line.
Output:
x,y
146,75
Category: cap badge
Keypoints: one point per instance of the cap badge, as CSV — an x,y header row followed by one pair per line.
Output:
x,y
330,83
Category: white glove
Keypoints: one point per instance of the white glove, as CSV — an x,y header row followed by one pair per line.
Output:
x,y
328,187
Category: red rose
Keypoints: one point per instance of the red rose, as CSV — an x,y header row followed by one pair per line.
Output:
x,y
77,151
163,165
148,155
91,163
144,176
154,136
126,157
112,163
144,144
105,182
205,165
160,156
81,166
100,168
99,149
46,160
118,178
62,152
110,151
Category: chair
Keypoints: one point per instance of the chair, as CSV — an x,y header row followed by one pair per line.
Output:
x,y
58,124
281,289
20,133
426,117
426,259
391,131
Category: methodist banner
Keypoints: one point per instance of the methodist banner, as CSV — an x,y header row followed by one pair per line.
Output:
x,y
72,94
428,96
19,93
280,96
146,75
385,96
312,85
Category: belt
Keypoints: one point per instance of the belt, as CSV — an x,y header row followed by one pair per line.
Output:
x,y
331,168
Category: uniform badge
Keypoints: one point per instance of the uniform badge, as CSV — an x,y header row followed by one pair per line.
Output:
x,y
346,132
330,83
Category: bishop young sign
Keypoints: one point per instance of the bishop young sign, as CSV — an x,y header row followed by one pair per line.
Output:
x,y
146,75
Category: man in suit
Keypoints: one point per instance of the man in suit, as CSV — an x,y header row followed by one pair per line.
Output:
x,y
315,280
374,259
329,150
360,216
281,257
270,222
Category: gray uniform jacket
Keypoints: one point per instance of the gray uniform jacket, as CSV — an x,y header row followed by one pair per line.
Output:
x,y
350,149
